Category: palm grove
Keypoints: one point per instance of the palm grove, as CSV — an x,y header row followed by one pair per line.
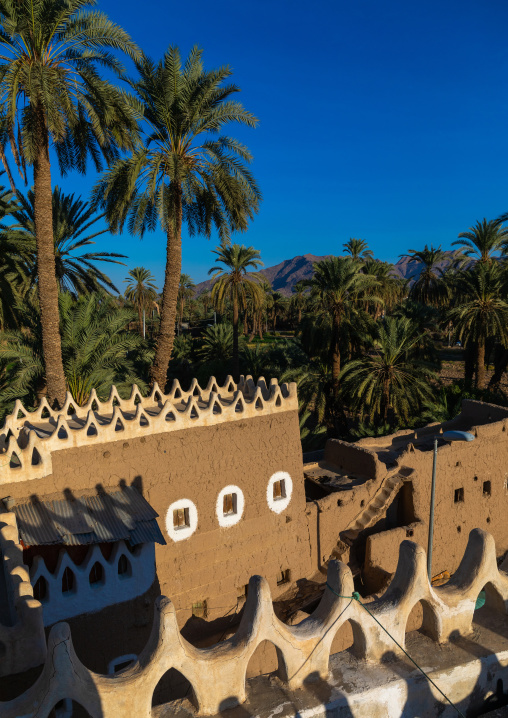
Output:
x,y
363,345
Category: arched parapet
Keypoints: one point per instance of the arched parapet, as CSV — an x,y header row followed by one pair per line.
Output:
x,y
30,437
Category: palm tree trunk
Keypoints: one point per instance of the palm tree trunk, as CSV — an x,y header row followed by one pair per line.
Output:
x,y
500,364
166,335
335,354
46,273
236,366
480,364
469,363
140,319
245,323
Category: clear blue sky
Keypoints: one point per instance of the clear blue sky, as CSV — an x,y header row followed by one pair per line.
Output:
x,y
386,121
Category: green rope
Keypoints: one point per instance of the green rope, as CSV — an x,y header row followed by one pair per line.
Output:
x,y
356,597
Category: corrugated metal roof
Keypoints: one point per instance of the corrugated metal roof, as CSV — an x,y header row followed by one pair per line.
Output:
x,y
78,521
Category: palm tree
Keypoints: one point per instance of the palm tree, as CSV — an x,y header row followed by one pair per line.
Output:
x,y
483,240
358,249
429,286
482,310
217,342
234,283
341,287
97,350
141,292
300,292
391,288
392,383
185,291
53,95
278,306
187,171
76,273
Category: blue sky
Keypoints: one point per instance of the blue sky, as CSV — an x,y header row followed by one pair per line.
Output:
x,y
386,121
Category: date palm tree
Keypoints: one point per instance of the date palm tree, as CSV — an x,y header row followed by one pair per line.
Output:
x,y
140,291
187,171
482,310
483,240
358,249
53,95
299,298
75,273
341,288
233,283
391,383
185,292
429,286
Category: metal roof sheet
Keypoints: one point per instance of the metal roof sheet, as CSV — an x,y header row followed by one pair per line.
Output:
x,y
79,521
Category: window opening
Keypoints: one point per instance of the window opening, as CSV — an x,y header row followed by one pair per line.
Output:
x,y
41,589
229,504
124,566
458,496
283,577
67,581
279,489
181,518
96,574
487,488
199,609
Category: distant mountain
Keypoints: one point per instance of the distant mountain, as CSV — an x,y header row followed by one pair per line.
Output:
x,y
285,275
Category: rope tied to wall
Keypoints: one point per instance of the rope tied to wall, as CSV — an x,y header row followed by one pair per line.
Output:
x,y
355,596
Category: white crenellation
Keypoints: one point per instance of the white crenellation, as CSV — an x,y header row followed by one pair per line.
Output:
x,y
22,639
28,438
218,673
86,597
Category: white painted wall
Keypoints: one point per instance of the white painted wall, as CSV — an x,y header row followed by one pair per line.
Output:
x,y
87,598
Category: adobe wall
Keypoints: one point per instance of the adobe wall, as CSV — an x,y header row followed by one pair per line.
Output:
x,y
214,564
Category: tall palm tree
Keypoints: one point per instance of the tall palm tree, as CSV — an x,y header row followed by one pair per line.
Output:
x,y
358,249
391,288
278,306
341,288
393,380
234,283
299,298
140,291
482,310
53,95
72,217
483,240
428,286
185,291
186,171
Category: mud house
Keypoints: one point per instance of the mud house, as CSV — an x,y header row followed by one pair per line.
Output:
x,y
189,494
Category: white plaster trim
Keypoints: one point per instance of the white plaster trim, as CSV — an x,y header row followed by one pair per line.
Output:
x,y
230,519
87,598
121,659
279,505
184,532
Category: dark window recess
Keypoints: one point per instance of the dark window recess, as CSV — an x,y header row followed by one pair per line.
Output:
x,y
180,518
229,504
96,574
41,589
121,666
279,490
199,609
458,496
124,566
487,488
67,581
283,577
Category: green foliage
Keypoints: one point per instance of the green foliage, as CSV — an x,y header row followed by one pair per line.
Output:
x,y
76,273
217,342
98,351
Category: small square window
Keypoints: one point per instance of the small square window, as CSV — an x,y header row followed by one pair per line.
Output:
x,y
279,490
181,518
199,609
283,577
229,504
458,496
487,488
